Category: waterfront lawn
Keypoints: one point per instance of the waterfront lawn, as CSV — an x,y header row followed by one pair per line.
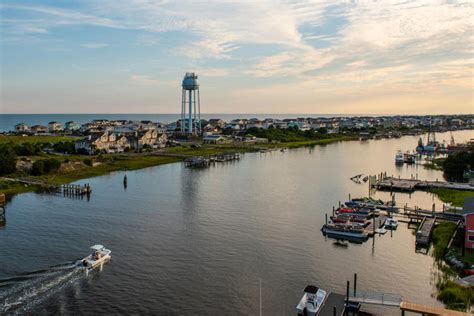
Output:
x,y
455,296
456,197
441,235
12,188
17,139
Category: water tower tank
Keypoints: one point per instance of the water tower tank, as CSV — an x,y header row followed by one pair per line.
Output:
x,y
190,81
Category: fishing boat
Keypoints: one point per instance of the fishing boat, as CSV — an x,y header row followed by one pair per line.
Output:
x,y
311,302
391,223
345,231
399,158
97,258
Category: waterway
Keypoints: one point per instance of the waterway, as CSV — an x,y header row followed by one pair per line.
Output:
x,y
199,241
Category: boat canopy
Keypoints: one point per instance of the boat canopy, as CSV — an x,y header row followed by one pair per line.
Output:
x,y
311,289
97,247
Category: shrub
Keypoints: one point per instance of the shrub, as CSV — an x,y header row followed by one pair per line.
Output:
x,y
38,168
7,159
88,162
51,164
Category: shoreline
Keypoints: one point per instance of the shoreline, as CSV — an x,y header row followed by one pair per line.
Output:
x,y
135,161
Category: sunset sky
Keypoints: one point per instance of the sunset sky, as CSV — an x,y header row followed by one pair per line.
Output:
x,y
112,56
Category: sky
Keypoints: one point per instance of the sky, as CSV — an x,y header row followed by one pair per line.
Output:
x,y
341,57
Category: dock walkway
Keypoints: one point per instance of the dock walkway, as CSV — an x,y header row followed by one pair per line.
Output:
x,y
333,300
410,185
378,222
423,235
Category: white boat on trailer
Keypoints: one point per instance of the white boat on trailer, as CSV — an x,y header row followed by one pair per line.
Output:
x,y
97,258
311,302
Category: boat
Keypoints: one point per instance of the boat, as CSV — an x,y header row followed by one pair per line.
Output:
x,y
97,258
409,158
391,223
311,302
283,150
399,158
345,231
381,231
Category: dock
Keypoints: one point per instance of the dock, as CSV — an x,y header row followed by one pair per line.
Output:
x,y
206,161
375,223
423,235
333,301
409,185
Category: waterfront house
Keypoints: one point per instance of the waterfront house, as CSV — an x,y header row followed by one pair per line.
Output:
x,y
39,129
54,126
151,138
214,139
22,128
468,214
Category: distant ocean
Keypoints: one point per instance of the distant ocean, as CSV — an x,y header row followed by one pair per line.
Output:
x,y
8,121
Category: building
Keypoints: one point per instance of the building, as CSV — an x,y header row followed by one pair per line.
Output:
x,y
214,139
72,126
39,129
54,126
22,128
468,213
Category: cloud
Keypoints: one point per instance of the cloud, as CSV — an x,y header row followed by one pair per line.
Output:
x,y
93,45
144,80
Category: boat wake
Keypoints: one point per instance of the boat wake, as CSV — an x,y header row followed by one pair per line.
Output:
x,y
21,293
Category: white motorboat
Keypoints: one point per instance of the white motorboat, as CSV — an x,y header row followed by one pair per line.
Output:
x,y
97,258
391,223
311,302
399,157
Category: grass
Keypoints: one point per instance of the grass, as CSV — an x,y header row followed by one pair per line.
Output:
x,y
454,295
441,236
12,188
456,197
35,139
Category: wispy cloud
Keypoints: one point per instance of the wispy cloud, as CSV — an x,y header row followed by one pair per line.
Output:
x,y
144,80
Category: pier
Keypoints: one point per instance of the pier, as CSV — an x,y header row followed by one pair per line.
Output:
x,y
384,183
375,223
65,189
423,235
206,161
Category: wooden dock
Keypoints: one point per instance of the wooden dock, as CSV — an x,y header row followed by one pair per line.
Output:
x,y
423,235
333,301
428,310
206,161
410,185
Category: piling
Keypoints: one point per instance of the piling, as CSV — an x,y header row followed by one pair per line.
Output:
x,y
347,297
355,284
326,218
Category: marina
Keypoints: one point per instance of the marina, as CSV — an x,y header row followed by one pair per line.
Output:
x,y
202,234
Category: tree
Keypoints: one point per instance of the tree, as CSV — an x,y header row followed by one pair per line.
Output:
x,y
37,168
7,159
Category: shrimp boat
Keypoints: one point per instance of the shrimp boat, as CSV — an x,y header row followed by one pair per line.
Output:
x,y
311,302
97,258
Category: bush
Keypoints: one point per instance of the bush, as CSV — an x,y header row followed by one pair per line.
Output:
x,y
455,165
7,159
37,168
88,162
455,296
51,165
65,147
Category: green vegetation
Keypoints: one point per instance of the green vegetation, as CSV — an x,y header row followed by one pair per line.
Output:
x,y
441,236
45,166
456,197
435,164
291,134
7,160
455,165
35,139
454,295
11,188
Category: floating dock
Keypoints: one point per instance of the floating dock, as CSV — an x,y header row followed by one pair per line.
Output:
x,y
375,223
410,185
333,301
423,235
206,161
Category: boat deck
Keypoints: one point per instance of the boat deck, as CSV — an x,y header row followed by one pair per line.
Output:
x,y
333,300
423,234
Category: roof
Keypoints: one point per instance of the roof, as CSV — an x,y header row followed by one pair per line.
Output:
x,y
97,247
468,206
311,289
212,137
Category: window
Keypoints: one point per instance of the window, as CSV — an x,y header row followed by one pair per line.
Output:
x,y
471,238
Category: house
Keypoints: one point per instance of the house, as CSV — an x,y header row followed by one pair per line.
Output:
x,y
22,128
214,139
39,129
468,214
151,138
106,142
217,123
72,126
54,126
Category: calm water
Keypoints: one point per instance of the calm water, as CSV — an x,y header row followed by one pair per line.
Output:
x,y
198,241
8,121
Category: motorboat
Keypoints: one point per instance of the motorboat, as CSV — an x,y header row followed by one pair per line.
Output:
x,y
348,231
399,157
97,258
311,302
391,223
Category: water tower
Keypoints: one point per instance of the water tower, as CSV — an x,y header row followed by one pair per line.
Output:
x,y
190,105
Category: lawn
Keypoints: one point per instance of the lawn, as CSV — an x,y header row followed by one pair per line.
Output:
x,y
35,139
441,236
456,197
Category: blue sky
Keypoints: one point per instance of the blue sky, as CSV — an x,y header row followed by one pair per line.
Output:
x,y
251,56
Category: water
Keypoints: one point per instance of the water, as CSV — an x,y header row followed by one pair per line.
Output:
x,y
198,241
8,121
